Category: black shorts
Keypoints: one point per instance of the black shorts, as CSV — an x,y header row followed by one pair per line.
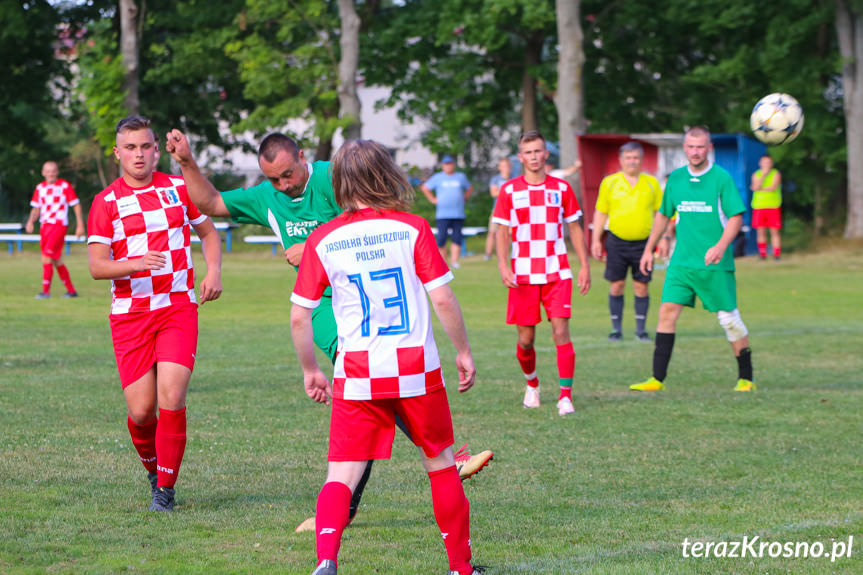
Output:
x,y
623,255
443,231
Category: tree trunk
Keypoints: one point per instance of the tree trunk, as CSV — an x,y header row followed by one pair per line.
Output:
x,y
324,150
849,28
349,102
569,97
129,47
532,56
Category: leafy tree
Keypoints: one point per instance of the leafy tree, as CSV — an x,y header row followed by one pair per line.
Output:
x,y
472,68
288,59
28,39
849,28
709,66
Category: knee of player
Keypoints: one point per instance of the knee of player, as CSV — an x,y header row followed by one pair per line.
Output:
x,y
733,325
142,414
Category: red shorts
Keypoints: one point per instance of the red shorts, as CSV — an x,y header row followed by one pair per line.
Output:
x,y
51,239
142,339
523,302
767,218
363,429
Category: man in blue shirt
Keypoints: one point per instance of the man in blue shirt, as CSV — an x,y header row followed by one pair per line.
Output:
x,y
448,190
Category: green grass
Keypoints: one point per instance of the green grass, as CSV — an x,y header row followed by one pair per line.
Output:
x,y
614,489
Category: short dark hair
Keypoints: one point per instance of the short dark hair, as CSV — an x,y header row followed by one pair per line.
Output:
x,y
530,136
133,123
275,143
631,146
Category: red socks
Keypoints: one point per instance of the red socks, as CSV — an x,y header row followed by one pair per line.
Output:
x,y
331,518
170,445
777,252
762,249
527,360
63,272
47,272
144,440
452,513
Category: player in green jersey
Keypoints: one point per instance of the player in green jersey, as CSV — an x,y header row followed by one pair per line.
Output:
x,y
710,212
296,198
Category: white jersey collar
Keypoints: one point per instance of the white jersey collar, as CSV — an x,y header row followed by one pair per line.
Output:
x,y
302,195
702,172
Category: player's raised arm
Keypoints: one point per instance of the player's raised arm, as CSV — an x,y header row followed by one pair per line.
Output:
x,y
202,193
449,313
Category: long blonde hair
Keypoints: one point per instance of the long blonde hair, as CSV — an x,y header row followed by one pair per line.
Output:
x,y
364,173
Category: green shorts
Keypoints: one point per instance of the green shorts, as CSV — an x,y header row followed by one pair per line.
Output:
x,y
717,290
324,326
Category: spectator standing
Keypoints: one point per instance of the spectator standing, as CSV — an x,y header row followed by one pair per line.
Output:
x,y
448,190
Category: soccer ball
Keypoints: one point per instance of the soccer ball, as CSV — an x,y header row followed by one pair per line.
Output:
x,y
776,119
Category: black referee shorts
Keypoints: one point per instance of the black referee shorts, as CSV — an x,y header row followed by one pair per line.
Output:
x,y
623,255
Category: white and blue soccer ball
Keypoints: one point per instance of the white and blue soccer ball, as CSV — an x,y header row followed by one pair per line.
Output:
x,y
776,119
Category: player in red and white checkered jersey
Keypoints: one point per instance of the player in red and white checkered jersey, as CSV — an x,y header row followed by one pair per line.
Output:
x,y
382,265
140,235
51,202
531,211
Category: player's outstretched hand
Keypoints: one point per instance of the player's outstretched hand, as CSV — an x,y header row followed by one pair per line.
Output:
x,y
294,254
646,264
317,386
713,255
466,371
211,287
584,280
177,145
152,260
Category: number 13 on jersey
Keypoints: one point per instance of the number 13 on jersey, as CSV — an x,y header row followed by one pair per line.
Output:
x,y
394,285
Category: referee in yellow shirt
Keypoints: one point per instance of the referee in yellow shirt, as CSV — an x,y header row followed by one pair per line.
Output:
x,y
627,202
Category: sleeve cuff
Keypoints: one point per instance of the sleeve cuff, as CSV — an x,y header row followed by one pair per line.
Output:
x,y
573,218
92,239
436,283
304,302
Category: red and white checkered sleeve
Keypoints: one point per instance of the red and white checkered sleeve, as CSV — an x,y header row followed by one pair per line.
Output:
x,y
312,278
571,209
503,207
71,196
100,223
34,201
430,265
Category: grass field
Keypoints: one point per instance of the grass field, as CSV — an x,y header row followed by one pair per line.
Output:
x,y
615,489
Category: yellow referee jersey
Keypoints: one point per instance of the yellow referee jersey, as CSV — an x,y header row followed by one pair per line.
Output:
x,y
630,209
